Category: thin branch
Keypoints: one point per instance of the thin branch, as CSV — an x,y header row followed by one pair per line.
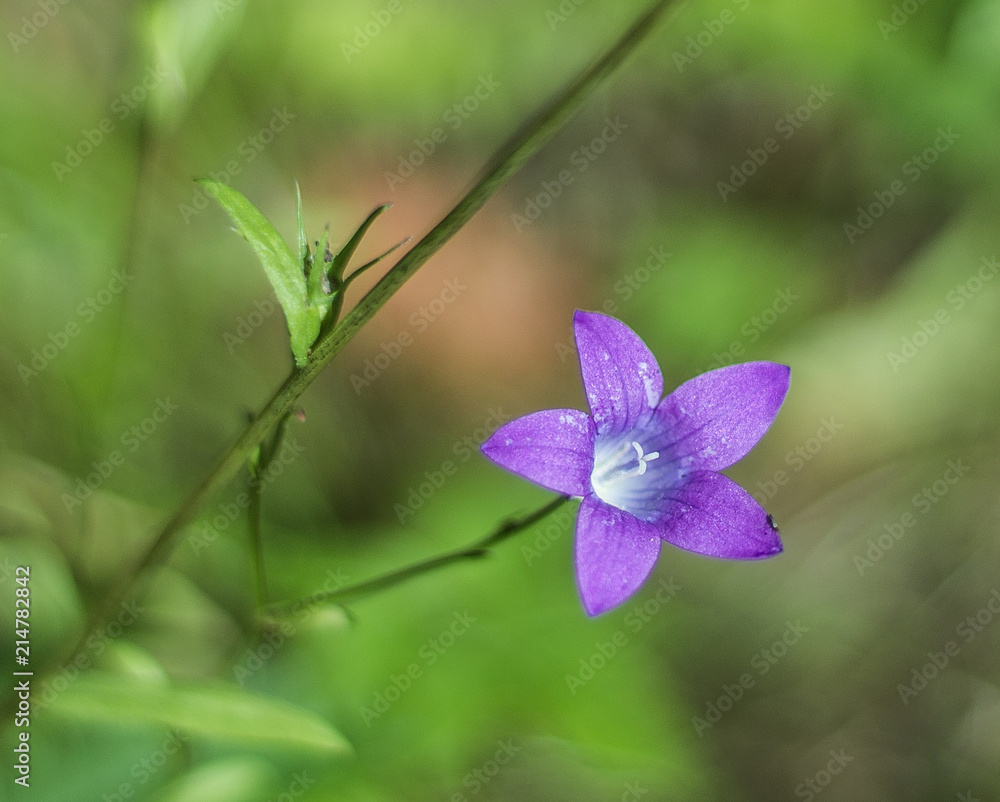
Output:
x,y
479,548
358,271
341,259
508,161
258,469
256,546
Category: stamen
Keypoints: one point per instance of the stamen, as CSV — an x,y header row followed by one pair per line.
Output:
x,y
610,465
615,478
620,452
613,469
643,459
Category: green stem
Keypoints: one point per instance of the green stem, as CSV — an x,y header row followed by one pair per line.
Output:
x,y
239,453
144,149
258,469
508,161
256,547
480,548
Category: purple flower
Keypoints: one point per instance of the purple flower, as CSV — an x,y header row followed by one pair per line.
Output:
x,y
645,467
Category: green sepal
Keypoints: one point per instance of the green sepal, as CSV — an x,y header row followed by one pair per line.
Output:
x,y
283,270
341,259
219,711
322,286
302,240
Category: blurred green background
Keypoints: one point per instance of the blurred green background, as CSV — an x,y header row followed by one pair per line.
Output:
x,y
814,184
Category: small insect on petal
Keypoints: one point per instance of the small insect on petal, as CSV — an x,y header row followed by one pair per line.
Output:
x,y
647,466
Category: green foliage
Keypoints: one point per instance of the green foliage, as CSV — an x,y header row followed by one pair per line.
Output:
x,y
218,711
185,38
227,780
196,323
304,310
310,289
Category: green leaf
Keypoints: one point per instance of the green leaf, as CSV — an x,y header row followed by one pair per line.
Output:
x,y
185,39
341,259
238,779
302,241
217,710
282,268
318,281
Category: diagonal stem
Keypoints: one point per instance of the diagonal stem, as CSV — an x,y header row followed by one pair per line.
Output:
x,y
479,548
521,147
258,470
256,546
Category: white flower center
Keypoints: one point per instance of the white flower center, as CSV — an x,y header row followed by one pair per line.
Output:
x,y
614,465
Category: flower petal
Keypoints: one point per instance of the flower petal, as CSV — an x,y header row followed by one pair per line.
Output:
x,y
615,552
714,419
553,448
620,374
711,514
